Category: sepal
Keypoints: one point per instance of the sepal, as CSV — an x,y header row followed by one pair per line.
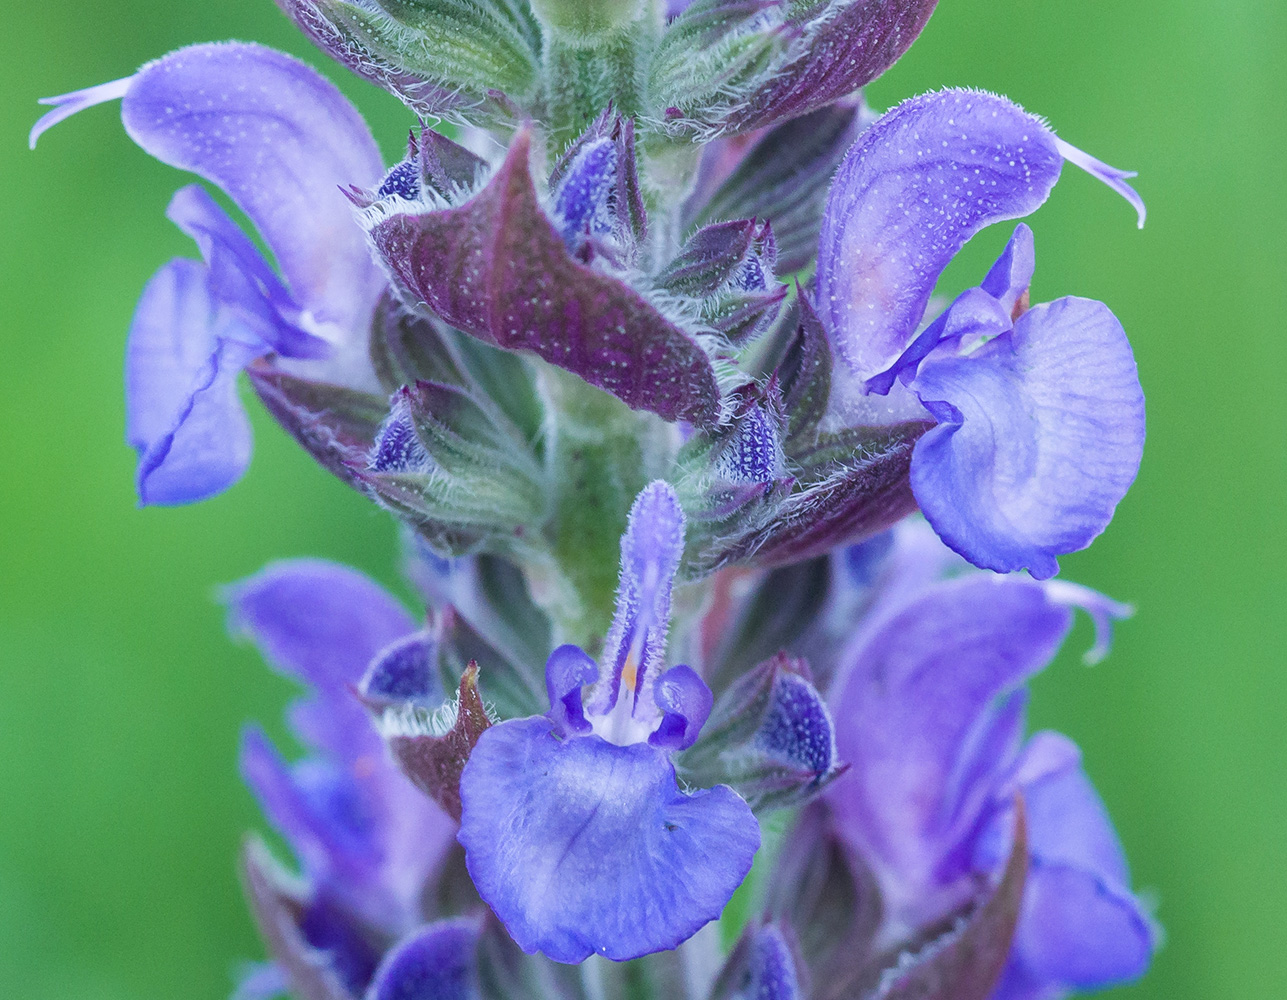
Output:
x,y
966,961
336,425
709,258
733,477
432,748
435,169
406,348
804,374
280,905
441,57
497,268
449,464
770,737
822,890
729,67
848,486
486,613
728,268
784,177
780,607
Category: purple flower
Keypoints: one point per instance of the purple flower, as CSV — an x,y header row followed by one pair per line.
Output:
x,y
1040,417
929,706
365,838
278,139
574,828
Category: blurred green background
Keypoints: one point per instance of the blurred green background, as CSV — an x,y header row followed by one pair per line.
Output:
x,y
120,698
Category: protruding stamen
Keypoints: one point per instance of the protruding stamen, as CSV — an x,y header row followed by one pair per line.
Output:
x,y
1114,178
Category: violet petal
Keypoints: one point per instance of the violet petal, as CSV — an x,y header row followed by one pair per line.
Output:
x,y
279,139
913,189
183,415
437,962
914,696
1081,927
1040,435
582,847
321,623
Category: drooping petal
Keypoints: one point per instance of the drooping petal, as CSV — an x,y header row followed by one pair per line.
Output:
x,y
438,962
582,847
1081,927
321,623
1040,435
239,275
915,700
650,552
183,416
279,139
320,812
912,190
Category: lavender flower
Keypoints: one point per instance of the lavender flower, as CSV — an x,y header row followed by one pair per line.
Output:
x,y
574,829
278,139
930,700
585,329
1040,414
365,838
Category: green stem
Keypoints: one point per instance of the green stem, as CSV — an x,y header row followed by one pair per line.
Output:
x,y
603,454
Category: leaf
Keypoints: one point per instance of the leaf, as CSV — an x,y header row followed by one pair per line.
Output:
x,y
732,67
433,760
496,268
